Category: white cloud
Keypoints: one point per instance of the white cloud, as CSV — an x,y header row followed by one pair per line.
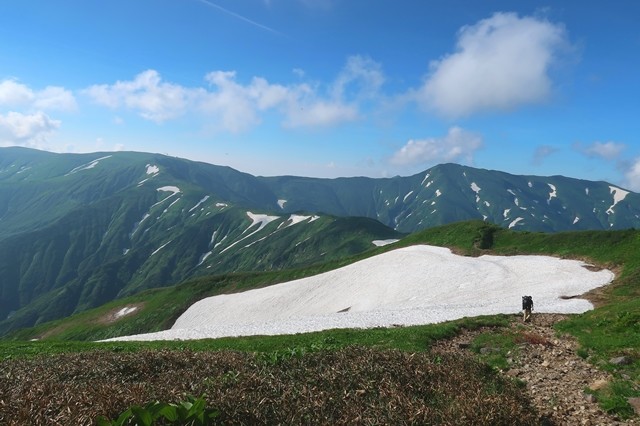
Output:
x,y
606,150
232,106
499,63
362,72
542,152
55,98
146,94
632,175
319,113
14,94
26,129
458,145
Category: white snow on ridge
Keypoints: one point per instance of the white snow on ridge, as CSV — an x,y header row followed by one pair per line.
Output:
x,y
173,189
160,248
381,243
125,311
261,219
87,166
206,197
475,188
618,195
553,192
408,286
281,203
515,222
296,218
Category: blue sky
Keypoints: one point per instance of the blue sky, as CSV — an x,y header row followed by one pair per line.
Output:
x,y
330,88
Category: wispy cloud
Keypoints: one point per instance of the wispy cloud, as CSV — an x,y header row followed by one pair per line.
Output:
x,y
542,152
609,150
238,16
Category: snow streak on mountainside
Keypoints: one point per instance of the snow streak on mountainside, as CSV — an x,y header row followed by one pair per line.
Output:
x,y
449,193
82,229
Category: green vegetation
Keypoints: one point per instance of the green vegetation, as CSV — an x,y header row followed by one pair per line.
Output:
x,y
353,385
611,330
191,412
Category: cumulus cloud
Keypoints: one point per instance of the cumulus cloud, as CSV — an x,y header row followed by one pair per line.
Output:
x,y
605,150
26,129
458,145
233,106
500,63
15,95
146,94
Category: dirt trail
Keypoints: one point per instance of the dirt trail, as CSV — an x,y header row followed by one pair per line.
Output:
x,y
555,375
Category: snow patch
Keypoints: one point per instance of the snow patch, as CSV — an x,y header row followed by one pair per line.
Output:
x,y
152,169
389,289
553,193
404,200
160,248
423,180
173,189
281,203
438,193
125,311
475,188
87,166
515,222
380,243
576,220
618,195
205,198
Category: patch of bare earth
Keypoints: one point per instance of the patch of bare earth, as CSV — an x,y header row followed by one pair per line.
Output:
x,y
555,376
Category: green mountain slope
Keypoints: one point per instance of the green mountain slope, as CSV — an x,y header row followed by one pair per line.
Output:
x,y
79,230
82,230
450,193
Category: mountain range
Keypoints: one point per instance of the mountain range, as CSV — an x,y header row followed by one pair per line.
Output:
x,y
78,230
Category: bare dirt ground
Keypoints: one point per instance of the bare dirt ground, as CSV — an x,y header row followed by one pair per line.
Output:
x,y
555,376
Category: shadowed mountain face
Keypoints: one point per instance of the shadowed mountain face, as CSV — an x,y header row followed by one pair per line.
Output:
x,y
79,230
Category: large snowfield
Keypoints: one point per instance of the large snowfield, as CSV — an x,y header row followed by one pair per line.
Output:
x,y
408,286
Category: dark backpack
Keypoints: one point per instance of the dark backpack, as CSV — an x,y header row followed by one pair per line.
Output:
x,y
527,302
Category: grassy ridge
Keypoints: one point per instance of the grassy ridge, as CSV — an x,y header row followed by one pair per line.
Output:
x,y
609,331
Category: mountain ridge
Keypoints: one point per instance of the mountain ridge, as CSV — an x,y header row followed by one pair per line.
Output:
x,y
78,230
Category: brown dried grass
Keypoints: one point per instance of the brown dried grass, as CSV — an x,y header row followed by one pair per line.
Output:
x,y
349,386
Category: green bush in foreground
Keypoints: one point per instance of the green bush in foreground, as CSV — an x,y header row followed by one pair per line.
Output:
x,y
191,412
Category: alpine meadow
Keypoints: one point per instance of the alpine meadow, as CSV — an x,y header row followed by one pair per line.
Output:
x,y
319,212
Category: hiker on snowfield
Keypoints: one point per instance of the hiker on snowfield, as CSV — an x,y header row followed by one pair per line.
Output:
x,y
527,307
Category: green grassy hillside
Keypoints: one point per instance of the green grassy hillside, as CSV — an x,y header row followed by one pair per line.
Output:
x,y
610,330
